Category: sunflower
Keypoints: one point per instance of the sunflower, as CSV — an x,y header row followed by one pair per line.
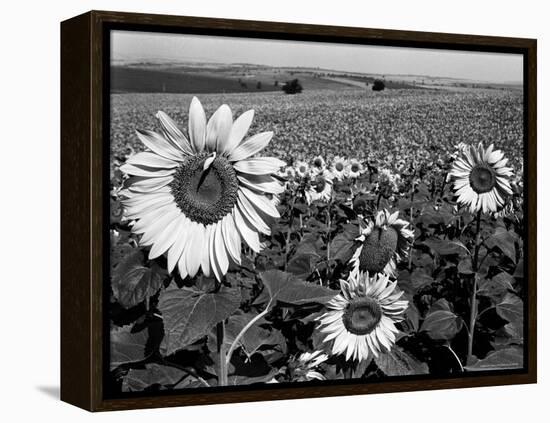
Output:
x,y
318,164
195,199
338,167
302,169
383,243
481,178
320,187
304,367
361,319
354,169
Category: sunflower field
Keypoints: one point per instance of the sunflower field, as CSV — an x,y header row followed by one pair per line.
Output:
x,y
264,238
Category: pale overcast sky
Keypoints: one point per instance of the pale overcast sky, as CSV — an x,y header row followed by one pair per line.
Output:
x,y
494,67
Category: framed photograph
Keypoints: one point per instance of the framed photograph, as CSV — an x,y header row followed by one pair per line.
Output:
x,y
258,211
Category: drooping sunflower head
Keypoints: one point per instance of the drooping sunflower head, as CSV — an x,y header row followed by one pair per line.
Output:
x,y
361,319
354,169
318,164
196,197
383,243
481,179
320,187
338,167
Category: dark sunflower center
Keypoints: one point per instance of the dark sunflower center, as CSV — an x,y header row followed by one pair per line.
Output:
x,y
302,169
378,249
320,184
318,162
355,168
339,166
482,179
362,315
205,196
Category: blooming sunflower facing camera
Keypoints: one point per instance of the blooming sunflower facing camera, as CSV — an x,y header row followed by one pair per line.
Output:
x,y
361,319
302,169
338,167
320,187
383,243
318,164
481,179
354,169
196,198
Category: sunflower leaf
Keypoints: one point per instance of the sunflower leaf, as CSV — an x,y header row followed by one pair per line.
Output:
x,y
511,309
189,314
398,362
286,288
441,324
508,358
503,240
127,347
163,377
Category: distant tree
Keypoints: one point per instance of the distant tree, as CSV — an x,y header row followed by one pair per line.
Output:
x,y
276,84
259,85
292,87
378,85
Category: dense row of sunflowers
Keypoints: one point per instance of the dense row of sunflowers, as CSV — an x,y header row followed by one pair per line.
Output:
x,y
206,204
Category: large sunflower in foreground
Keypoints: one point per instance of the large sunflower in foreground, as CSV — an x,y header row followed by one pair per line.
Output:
x,y
383,243
361,319
197,198
481,178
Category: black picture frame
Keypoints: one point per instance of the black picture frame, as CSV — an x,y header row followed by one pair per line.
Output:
x,y
85,203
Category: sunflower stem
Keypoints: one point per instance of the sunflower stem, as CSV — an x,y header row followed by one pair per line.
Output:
x,y
473,298
243,331
289,230
222,369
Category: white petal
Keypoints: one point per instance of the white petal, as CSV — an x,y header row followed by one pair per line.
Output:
x,y
149,172
166,239
250,213
212,253
174,253
221,253
155,229
158,144
218,128
192,255
251,146
261,202
173,133
231,238
259,165
246,230
197,125
261,183
238,131
148,159
205,257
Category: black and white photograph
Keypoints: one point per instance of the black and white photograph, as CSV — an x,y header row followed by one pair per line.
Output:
x,y
303,213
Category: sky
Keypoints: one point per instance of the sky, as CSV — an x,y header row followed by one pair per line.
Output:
x,y
490,67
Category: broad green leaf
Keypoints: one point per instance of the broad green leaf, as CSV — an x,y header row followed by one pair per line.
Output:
x,y
444,247
188,314
286,288
342,247
419,278
302,265
496,287
127,347
398,362
511,309
503,240
163,377
441,325
137,285
508,358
